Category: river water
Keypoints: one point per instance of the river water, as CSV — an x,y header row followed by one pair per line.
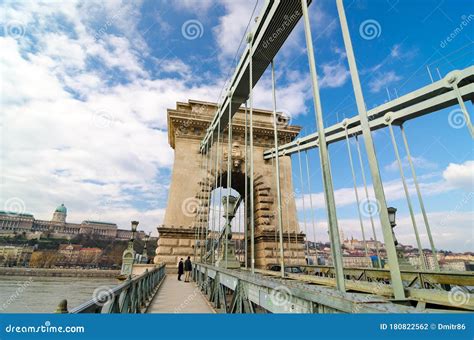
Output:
x,y
36,294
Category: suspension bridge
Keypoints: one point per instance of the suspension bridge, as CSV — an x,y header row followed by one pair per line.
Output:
x,y
241,157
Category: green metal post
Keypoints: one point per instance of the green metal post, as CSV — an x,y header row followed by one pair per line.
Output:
x,y
397,284
323,153
277,165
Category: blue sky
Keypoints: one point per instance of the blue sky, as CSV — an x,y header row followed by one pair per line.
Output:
x,y
86,85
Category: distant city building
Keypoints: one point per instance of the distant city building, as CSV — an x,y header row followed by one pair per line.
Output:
x,y
354,244
15,223
15,255
68,254
459,266
89,256
353,261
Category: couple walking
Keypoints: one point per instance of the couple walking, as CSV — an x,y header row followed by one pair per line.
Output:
x,y
185,268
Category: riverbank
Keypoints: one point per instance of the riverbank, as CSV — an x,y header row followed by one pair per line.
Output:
x,y
56,272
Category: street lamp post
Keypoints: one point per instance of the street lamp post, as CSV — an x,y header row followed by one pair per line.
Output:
x,y
402,261
128,257
134,229
145,253
392,213
227,258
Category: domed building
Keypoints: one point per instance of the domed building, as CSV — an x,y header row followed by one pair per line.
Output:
x,y
60,214
13,223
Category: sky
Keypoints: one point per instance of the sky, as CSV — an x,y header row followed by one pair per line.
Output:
x,y
85,86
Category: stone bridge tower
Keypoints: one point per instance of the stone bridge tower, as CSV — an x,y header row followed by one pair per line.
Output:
x,y
191,187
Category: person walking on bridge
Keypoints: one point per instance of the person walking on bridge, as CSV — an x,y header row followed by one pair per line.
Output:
x,y
180,269
188,267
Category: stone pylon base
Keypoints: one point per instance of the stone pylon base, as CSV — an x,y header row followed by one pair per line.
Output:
x,y
267,249
175,243
231,262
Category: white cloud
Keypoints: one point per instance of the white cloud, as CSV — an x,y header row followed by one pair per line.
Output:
x,y
290,97
72,133
460,175
447,228
334,75
232,25
382,80
418,162
94,137
455,176
197,7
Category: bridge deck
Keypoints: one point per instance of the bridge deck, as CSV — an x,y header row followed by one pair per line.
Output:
x,y
179,297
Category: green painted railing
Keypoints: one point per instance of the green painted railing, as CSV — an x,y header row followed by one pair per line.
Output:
x,y
132,296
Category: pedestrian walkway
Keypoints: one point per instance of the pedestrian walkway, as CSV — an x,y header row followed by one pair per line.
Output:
x,y
179,297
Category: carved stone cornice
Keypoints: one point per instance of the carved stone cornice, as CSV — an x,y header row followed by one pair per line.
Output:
x,y
190,120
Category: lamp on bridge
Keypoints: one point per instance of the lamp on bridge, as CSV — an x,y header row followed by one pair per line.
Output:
x,y
227,258
134,229
128,256
392,213
402,261
145,253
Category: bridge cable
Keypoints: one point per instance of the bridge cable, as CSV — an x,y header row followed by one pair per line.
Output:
x,y
239,224
276,230
354,181
208,191
467,119
237,51
198,214
216,172
252,202
311,207
369,205
420,199
246,193
229,174
208,234
204,210
323,153
304,208
287,188
407,196
221,166
297,227
277,166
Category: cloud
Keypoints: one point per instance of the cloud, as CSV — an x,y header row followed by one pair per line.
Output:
x,y
231,28
383,79
447,228
418,163
84,118
83,121
193,6
398,52
460,175
455,176
334,75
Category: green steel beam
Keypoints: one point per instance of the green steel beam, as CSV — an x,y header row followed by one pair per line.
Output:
x,y
426,100
300,296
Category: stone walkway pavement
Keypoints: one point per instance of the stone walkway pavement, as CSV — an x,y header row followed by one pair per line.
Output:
x,y
179,297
